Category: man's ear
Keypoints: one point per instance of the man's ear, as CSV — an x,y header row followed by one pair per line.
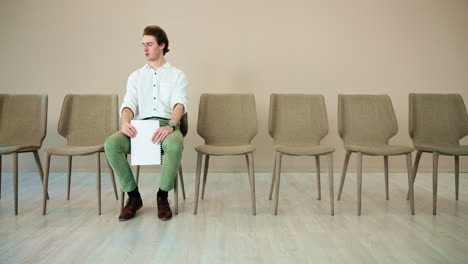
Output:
x,y
162,46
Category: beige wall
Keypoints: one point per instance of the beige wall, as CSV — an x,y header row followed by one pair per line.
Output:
x,y
321,46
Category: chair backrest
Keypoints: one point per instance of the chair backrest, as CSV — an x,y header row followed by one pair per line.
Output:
x,y
437,119
366,119
227,119
297,119
88,119
23,119
184,125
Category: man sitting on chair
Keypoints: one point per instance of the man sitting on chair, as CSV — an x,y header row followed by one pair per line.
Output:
x,y
157,91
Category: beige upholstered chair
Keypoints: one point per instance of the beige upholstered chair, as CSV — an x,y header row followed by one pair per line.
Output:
x,y
227,123
297,124
85,121
23,125
437,122
366,123
184,131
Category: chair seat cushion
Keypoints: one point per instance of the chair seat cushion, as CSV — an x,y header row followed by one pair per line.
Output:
x,y
303,150
455,150
225,150
380,150
69,150
7,149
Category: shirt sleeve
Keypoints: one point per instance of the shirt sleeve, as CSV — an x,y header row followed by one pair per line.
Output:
x,y
179,96
130,99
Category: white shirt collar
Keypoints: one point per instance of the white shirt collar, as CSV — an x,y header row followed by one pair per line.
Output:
x,y
166,65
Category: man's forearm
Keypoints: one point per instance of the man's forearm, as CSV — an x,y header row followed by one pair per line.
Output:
x,y
127,115
177,114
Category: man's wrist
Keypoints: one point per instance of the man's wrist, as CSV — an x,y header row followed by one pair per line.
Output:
x,y
172,125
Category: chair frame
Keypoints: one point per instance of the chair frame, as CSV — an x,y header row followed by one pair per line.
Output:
x,y
275,179
69,168
250,170
15,174
248,157
359,165
44,106
435,155
276,175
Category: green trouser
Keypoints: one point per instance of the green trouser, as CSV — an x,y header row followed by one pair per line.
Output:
x,y
118,145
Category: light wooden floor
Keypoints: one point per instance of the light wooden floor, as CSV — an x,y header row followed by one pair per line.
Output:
x,y
224,231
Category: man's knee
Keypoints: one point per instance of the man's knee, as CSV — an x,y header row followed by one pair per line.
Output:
x,y
109,144
113,143
174,147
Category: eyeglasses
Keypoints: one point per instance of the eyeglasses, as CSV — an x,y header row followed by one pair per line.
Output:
x,y
148,44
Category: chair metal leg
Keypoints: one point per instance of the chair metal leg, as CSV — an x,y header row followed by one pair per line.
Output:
x,y
435,168
205,175
181,177
122,200
197,180
330,184
250,165
112,176
176,195
416,163
39,168
415,169
386,176
69,167
359,181
46,183
410,181
457,174
0,176
317,166
15,179
277,180
273,176
98,180
343,174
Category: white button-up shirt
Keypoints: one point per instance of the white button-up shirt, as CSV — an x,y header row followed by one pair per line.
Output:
x,y
153,93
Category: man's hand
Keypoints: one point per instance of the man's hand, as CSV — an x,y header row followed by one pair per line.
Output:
x,y
128,129
161,134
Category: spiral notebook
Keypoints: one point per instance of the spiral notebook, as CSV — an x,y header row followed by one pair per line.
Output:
x,y
144,151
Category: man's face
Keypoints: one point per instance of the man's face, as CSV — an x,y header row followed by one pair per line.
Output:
x,y
152,50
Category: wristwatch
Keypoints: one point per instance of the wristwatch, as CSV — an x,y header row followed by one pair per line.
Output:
x,y
172,125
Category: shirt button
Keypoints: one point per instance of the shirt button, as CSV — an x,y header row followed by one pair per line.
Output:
x,y
154,98
154,109
154,85
154,73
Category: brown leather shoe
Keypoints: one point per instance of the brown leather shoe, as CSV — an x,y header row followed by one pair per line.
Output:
x,y
164,210
128,212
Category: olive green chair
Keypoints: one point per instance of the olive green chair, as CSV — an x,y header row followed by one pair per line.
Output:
x,y
85,121
437,122
366,123
297,124
184,131
227,123
23,126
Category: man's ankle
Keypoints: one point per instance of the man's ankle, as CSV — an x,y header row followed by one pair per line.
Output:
x,y
134,193
162,194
